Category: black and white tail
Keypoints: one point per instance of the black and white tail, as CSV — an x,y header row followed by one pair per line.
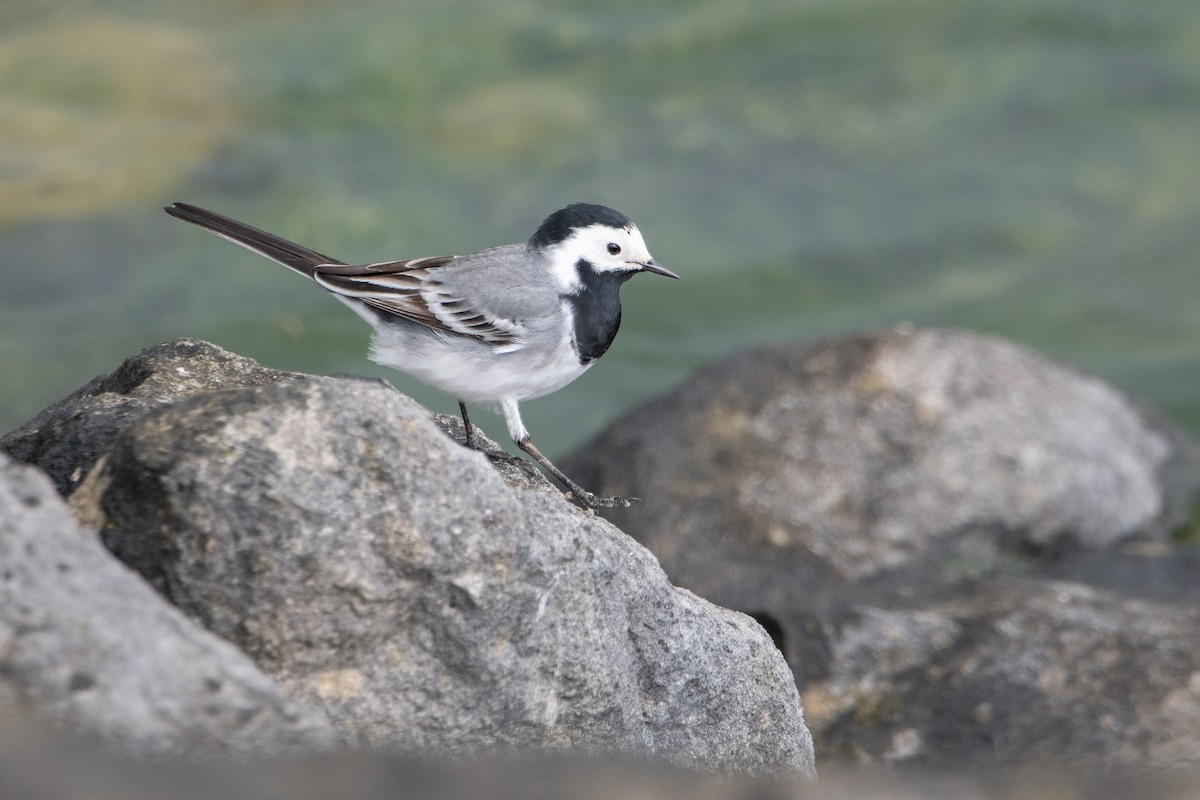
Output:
x,y
289,254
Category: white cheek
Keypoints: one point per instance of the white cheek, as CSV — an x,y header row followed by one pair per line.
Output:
x,y
591,244
562,268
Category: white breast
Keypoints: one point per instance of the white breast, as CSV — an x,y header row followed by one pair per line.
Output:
x,y
476,372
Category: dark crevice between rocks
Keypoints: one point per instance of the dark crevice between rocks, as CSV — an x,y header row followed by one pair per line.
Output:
x,y
773,628
131,374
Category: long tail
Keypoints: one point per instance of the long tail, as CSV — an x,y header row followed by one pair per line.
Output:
x,y
290,254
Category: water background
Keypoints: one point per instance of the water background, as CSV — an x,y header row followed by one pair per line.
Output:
x,y
1028,168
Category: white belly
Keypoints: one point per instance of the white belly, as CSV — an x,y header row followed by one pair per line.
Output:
x,y
473,371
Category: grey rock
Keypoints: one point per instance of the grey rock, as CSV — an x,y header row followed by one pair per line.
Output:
x,y
67,438
87,643
860,496
859,454
427,598
37,764
1029,671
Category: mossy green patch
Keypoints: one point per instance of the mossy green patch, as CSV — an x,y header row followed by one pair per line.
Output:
x,y
1189,532
98,113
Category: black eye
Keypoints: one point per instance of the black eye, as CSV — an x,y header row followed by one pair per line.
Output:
x,y
614,248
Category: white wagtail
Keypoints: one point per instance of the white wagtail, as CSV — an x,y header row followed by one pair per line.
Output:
x,y
503,325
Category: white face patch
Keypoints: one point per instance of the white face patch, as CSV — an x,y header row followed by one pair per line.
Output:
x,y
606,248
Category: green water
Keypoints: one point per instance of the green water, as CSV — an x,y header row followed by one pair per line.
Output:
x,y
1029,169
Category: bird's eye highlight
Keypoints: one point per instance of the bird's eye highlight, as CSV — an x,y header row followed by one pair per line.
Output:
x,y
614,249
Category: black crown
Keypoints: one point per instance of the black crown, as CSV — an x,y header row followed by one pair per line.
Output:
x,y
559,225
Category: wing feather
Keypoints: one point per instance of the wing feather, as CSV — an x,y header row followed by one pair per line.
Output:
x,y
411,290
417,289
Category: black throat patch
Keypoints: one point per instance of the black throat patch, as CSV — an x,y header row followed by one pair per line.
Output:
x,y
597,309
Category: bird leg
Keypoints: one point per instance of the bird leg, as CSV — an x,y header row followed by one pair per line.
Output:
x,y
583,496
516,429
468,428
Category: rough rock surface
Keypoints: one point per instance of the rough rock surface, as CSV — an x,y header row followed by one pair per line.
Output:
x,y
66,438
422,599
1014,672
860,495
864,452
87,643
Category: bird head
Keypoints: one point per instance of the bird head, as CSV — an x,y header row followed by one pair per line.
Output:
x,y
603,237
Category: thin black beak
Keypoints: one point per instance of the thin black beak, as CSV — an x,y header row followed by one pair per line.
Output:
x,y
658,269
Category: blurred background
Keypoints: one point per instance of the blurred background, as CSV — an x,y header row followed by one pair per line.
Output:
x,y
1029,168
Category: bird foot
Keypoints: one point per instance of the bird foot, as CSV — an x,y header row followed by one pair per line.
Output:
x,y
581,496
508,458
591,502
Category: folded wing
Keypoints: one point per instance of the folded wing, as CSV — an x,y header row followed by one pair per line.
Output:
x,y
411,290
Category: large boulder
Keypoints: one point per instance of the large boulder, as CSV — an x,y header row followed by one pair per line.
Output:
x,y
425,597
67,438
859,495
1014,672
87,643
859,455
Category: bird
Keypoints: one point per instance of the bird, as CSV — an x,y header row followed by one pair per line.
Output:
x,y
493,328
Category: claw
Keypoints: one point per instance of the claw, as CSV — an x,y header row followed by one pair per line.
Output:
x,y
592,502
